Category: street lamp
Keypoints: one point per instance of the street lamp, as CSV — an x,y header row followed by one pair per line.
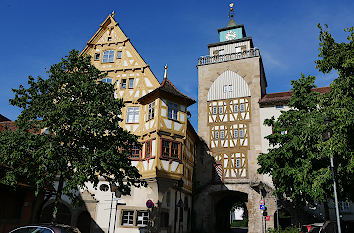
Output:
x,y
326,136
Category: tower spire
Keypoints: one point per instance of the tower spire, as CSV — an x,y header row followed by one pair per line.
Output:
x,y
231,16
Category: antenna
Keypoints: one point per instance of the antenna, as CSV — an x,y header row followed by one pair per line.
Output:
x,y
231,12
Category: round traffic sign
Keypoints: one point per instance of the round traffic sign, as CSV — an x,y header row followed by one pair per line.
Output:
x,y
149,204
261,202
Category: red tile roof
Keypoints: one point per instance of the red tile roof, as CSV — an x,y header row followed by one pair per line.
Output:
x,y
284,97
9,124
168,89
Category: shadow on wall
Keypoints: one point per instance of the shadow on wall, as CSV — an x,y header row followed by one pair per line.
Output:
x,y
79,217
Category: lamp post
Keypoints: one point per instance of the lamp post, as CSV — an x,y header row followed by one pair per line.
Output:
x,y
326,136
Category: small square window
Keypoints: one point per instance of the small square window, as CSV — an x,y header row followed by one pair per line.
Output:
x,y
108,56
242,107
128,217
131,83
221,109
109,38
222,134
216,134
124,84
119,54
235,133
215,110
238,163
236,108
242,133
142,218
97,56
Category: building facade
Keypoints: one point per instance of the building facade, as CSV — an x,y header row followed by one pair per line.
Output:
x,y
231,82
156,113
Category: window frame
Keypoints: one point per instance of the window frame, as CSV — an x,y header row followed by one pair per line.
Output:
x,y
216,110
130,83
119,55
123,83
242,107
148,144
172,110
135,112
104,80
222,110
97,56
132,220
151,111
137,218
170,143
109,57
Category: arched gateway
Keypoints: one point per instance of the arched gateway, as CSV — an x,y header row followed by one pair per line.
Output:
x,y
231,82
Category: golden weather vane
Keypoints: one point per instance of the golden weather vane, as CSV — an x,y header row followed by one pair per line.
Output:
x,y
231,12
113,14
165,74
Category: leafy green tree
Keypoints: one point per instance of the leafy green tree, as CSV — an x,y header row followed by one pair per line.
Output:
x,y
299,158
82,140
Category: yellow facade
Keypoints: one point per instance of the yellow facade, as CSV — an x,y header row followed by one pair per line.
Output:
x,y
168,141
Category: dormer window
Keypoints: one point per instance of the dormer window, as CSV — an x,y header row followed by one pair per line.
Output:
x,y
172,110
97,57
108,56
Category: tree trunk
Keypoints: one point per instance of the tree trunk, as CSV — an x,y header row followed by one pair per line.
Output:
x,y
58,198
326,210
37,207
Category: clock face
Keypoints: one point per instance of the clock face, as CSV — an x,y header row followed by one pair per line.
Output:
x,y
230,35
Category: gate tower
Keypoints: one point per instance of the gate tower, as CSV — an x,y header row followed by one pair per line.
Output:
x,y
231,82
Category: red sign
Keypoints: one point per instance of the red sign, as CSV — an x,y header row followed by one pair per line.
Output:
x,y
261,202
267,218
149,204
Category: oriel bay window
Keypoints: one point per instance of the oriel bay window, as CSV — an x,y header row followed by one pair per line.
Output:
x,y
170,149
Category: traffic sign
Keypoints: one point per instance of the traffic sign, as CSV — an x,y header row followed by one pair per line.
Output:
x,y
149,204
261,202
267,218
262,207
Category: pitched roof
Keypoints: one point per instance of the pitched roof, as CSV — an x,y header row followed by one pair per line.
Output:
x,y
7,124
3,118
284,97
168,89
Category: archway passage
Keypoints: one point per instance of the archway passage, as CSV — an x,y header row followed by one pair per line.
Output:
x,y
63,214
224,202
84,222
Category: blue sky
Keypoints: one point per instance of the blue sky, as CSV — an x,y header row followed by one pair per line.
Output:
x,y
36,34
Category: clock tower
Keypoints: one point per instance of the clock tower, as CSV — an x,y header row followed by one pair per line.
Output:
x,y
231,82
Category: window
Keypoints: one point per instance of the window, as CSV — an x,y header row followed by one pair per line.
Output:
x,y
236,108
131,83
279,106
170,149
221,109
215,110
174,149
148,147
242,107
242,133
97,56
135,152
119,54
172,110
133,115
235,133
216,134
151,111
124,84
109,38
228,88
142,218
108,56
127,217
222,134
106,80
238,163
104,187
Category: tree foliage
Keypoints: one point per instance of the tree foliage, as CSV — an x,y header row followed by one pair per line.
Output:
x,y
298,160
82,141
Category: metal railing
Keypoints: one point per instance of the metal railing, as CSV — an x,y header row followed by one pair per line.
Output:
x,y
228,57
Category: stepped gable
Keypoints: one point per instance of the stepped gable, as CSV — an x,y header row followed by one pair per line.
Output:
x,y
284,97
167,89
